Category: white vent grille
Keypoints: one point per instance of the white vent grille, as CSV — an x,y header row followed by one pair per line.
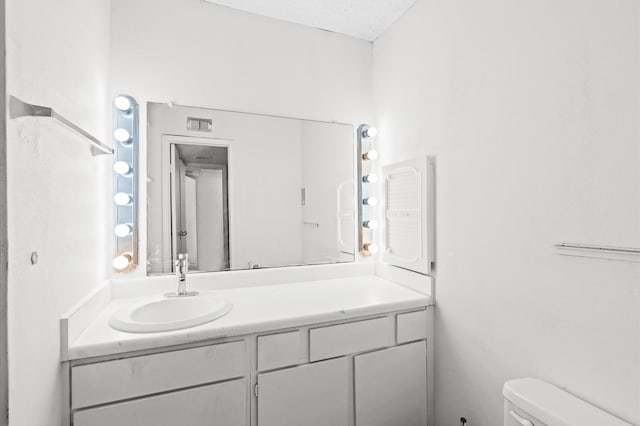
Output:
x,y
403,206
408,214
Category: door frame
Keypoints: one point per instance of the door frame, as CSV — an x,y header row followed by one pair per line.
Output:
x,y
167,140
4,244
176,188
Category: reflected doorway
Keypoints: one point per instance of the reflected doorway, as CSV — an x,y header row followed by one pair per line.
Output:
x,y
199,197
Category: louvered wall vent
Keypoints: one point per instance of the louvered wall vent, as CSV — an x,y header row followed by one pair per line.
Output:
x,y
409,214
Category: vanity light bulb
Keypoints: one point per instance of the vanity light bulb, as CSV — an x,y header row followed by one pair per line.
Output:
x,y
370,155
371,201
370,248
370,132
122,199
122,136
122,168
122,262
370,224
123,103
123,230
370,178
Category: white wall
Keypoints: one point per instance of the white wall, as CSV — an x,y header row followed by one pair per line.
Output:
x,y
57,55
327,176
532,109
198,54
265,203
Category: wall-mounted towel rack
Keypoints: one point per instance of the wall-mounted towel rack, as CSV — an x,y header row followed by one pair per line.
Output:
x,y
18,108
627,254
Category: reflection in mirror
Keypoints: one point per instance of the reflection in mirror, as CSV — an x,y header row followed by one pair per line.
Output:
x,y
246,191
199,219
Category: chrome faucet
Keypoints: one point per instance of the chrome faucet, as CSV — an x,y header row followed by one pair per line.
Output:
x,y
182,267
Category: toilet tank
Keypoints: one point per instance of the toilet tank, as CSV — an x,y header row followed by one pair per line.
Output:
x,y
532,402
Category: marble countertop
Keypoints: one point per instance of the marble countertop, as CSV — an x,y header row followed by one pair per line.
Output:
x,y
255,310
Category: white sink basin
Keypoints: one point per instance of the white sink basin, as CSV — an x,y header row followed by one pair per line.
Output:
x,y
170,313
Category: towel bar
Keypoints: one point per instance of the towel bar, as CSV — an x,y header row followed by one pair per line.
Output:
x,y
18,108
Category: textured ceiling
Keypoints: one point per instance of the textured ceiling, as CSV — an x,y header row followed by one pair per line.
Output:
x,y
364,19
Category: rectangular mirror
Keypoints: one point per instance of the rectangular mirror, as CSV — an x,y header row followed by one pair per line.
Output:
x,y
246,191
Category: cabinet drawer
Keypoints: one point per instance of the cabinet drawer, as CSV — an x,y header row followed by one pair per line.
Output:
x,y
412,326
280,350
343,339
223,404
109,381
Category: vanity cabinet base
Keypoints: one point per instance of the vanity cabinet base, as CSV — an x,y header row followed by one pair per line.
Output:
x,y
365,371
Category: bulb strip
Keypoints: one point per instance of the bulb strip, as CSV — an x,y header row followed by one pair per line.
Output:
x,y
125,182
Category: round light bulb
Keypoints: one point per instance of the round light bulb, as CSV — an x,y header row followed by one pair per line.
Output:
x,y
371,248
122,136
122,262
123,103
122,168
370,155
122,199
370,178
370,132
123,230
371,201
371,224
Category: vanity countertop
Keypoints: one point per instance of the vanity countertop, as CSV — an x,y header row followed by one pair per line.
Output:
x,y
255,310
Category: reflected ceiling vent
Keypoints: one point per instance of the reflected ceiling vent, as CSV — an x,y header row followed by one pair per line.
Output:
x,y
199,124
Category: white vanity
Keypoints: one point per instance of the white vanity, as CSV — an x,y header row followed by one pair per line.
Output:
x,y
349,351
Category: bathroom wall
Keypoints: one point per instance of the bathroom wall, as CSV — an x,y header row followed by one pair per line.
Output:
x,y
327,177
4,362
199,54
57,55
532,110
58,194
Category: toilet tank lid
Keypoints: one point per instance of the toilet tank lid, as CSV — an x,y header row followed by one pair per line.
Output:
x,y
555,407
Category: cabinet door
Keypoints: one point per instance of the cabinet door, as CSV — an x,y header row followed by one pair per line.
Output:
x,y
391,386
409,214
310,395
223,404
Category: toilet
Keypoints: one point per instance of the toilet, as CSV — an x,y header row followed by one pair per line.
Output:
x,y
532,402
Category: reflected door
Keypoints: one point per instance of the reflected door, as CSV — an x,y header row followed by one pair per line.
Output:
x,y
191,220
210,218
